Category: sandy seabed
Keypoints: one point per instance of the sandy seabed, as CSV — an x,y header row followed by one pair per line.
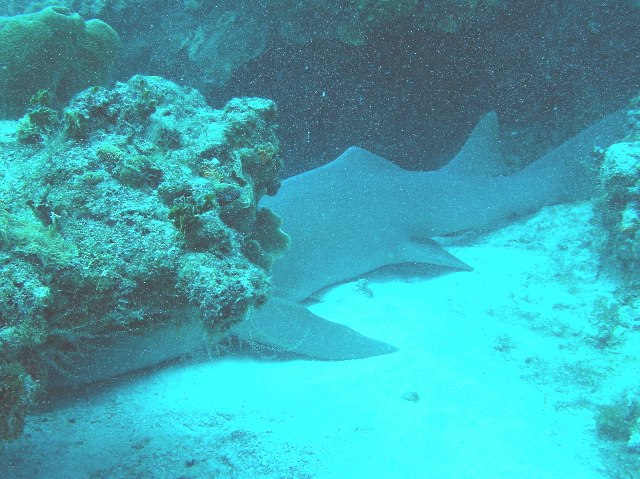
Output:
x,y
499,375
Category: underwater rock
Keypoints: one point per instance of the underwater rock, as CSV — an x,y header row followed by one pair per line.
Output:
x,y
619,205
411,396
205,42
17,390
618,419
353,22
111,224
53,50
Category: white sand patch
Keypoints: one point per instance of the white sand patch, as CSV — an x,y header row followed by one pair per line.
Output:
x,y
494,378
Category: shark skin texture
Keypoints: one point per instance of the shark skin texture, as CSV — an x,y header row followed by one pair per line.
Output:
x,y
361,212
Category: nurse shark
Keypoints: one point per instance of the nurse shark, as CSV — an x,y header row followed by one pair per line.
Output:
x,y
359,213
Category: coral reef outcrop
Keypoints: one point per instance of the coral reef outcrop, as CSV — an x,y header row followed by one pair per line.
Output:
x,y
619,204
132,211
204,42
55,50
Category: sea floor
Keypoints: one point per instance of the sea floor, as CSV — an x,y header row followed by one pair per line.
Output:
x,y
501,373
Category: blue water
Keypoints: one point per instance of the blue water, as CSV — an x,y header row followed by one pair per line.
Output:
x,y
136,209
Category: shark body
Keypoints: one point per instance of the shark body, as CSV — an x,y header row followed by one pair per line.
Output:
x,y
361,212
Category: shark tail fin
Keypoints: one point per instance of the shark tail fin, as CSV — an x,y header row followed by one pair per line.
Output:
x,y
480,155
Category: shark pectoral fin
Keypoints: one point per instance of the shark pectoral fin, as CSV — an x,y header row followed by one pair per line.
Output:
x,y
289,326
427,251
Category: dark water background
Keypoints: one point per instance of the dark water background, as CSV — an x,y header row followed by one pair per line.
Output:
x,y
411,92
548,68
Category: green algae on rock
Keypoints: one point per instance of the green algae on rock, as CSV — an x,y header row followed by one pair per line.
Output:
x,y
53,49
131,213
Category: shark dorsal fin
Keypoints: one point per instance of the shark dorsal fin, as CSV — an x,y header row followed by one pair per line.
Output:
x,y
480,155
